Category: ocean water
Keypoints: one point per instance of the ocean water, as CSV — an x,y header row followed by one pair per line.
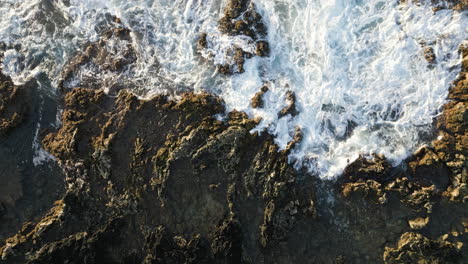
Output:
x,y
357,67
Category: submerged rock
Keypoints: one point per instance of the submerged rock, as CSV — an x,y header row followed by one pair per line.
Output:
x,y
101,64
257,101
291,109
165,181
240,19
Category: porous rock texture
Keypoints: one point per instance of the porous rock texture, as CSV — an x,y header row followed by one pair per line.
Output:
x,y
13,104
168,175
110,56
167,181
163,181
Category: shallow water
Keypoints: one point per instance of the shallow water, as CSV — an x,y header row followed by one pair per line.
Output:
x,y
357,67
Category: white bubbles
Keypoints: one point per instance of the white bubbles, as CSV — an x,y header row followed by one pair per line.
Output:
x,y
357,68
360,76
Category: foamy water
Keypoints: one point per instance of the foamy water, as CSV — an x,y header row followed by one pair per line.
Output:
x,y
357,67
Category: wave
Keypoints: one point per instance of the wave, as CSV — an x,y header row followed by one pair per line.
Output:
x,y
368,76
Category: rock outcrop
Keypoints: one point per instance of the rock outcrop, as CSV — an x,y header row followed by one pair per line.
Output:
x,y
13,104
101,63
240,18
170,166
164,181
415,248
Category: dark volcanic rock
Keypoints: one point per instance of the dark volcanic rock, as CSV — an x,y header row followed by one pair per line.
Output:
x,y
163,181
26,191
240,19
257,101
111,55
13,104
165,165
415,248
291,109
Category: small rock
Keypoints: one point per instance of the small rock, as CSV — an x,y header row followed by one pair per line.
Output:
x,y
429,55
291,108
418,223
257,101
263,49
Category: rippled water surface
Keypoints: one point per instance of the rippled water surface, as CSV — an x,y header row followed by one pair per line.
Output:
x,y
357,67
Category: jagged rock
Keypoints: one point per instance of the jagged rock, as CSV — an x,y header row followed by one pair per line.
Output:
x,y
455,118
166,182
459,90
412,194
428,169
227,242
26,239
82,247
263,49
112,54
202,42
368,189
451,146
429,55
238,57
418,223
415,248
14,104
240,19
291,109
117,166
362,168
162,248
257,101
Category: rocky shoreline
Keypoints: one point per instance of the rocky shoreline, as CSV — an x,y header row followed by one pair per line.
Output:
x,y
165,181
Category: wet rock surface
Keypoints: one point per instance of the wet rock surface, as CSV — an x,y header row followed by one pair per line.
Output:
x,y
193,180
26,189
451,146
101,64
240,18
457,5
164,181
415,248
13,104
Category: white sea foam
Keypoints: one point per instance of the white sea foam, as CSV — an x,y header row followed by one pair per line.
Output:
x,y
357,67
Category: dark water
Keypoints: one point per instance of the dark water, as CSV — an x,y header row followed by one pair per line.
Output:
x,y
34,188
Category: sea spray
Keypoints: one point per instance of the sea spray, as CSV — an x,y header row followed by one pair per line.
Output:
x,y
357,68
